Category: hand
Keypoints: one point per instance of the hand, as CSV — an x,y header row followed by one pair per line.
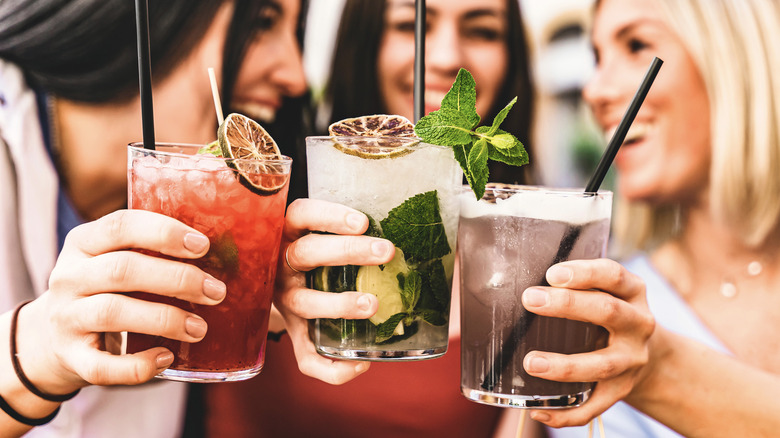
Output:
x,y
302,251
604,293
68,336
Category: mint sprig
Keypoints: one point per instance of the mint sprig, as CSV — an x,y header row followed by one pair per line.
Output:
x,y
455,125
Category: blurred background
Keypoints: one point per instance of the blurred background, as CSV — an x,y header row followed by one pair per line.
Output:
x,y
567,143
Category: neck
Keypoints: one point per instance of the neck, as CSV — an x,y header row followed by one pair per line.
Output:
x,y
708,255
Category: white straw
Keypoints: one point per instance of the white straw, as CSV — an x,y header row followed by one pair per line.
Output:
x,y
521,425
215,92
601,427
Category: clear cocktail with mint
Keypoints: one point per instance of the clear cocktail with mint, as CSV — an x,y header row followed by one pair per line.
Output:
x,y
243,217
409,191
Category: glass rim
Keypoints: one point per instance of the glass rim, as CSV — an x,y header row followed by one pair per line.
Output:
x,y
518,188
138,146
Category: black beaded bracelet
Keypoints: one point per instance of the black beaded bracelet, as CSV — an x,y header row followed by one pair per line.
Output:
x,y
25,420
18,366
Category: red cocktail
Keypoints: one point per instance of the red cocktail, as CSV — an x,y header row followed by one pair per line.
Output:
x,y
244,227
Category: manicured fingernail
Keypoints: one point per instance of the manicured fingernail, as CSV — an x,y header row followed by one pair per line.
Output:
x,y
534,297
214,288
163,360
364,302
537,364
195,242
195,327
559,275
381,248
540,416
356,221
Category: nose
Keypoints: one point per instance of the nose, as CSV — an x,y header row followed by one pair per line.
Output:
x,y
442,48
289,75
603,88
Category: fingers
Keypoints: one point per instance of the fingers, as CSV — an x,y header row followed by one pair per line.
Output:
x,y
312,364
310,304
603,274
136,229
585,367
101,368
116,313
596,307
315,250
304,215
128,271
601,399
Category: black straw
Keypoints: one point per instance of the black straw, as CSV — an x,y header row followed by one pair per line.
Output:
x,y
145,71
419,60
622,129
504,356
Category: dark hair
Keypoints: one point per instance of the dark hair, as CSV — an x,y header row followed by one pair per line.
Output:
x,y
85,50
352,88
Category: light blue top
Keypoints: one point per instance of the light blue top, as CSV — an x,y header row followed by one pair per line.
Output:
x,y
674,314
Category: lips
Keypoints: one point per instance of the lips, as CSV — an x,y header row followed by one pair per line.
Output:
x,y
636,132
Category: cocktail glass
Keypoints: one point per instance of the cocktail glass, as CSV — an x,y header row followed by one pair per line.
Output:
x,y
409,191
244,228
507,240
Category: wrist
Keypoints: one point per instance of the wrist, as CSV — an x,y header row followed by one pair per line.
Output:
x,y
649,385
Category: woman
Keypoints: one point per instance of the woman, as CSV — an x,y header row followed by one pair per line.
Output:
x,y
698,174
371,74
68,106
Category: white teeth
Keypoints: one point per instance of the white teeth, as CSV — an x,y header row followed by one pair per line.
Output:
x,y
434,97
635,132
262,113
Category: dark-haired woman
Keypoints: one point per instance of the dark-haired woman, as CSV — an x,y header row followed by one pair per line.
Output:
x,y
68,106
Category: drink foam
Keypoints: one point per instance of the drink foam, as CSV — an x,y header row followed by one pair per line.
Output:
x,y
569,206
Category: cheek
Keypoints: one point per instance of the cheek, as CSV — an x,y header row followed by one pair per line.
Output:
x,y
489,70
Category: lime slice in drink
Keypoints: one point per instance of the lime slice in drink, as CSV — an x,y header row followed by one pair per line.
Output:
x,y
374,137
211,149
383,282
242,138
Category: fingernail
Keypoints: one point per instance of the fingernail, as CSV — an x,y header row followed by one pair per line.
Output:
x,y
559,275
214,288
356,221
540,416
163,360
381,248
537,364
196,327
535,297
195,242
364,302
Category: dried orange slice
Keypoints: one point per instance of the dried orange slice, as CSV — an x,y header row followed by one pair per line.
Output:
x,y
374,137
243,139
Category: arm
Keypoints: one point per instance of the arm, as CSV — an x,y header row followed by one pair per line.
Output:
x,y
700,392
67,338
302,251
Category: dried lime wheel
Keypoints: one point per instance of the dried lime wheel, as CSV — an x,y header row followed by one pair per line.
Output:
x,y
374,137
255,154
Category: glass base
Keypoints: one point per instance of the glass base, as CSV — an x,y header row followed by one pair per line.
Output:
x,y
209,376
527,401
381,355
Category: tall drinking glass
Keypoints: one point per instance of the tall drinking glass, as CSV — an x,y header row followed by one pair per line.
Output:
x,y
244,227
507,240
409,191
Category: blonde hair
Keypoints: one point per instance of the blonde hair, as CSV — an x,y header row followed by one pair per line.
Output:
x,y
736,47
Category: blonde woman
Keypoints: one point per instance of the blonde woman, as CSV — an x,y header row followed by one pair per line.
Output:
x,y
699,177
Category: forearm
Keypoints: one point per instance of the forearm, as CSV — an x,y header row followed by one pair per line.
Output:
x,y
702,393
12,390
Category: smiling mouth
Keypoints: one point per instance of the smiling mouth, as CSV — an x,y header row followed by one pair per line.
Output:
x,y
636,133
261,113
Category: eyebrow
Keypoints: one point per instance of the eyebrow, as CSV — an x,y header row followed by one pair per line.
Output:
x,y
629,27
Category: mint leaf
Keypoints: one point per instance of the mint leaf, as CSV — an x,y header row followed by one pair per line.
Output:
x,y
416,228
385,330
411,290
501,116
433,317
444,127
462,98
436,291
455,125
